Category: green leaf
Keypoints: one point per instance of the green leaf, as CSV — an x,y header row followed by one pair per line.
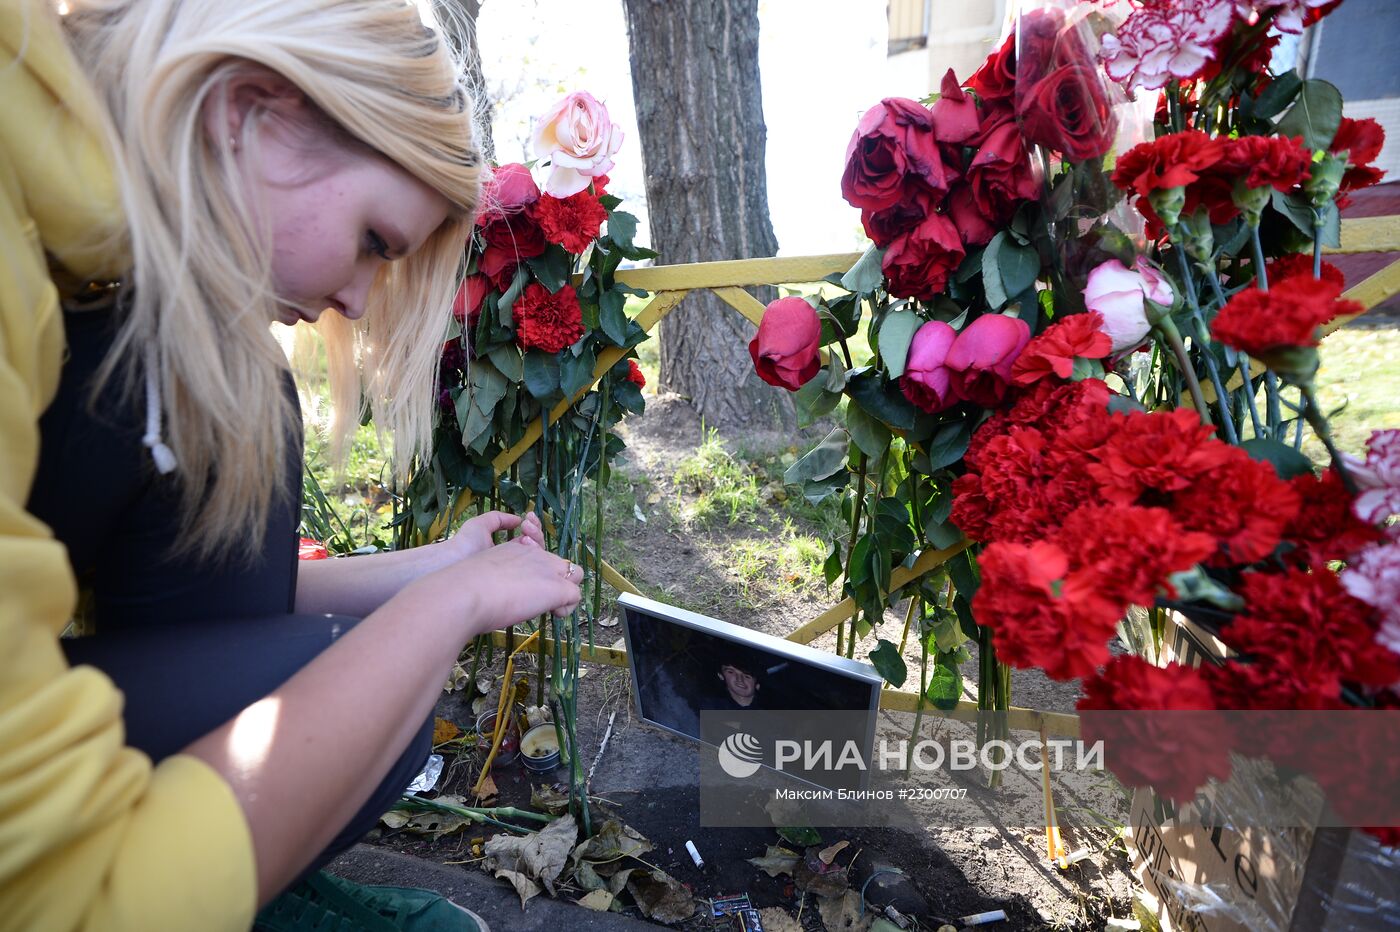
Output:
x,y
1316,116
813,402
963,570
622,228
1086,369
576,372
869,434
944,686
881,399
613,317
889,664
866,275
1279,93
1020,267
628,396
517,285
822,461
1287,462
506,358
541,374
832,568
943,628
488,386
892,525
1300,212
949,444
816,491
552,267
991,272
896,333
801,836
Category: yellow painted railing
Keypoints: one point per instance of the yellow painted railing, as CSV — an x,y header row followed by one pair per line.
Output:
x,y
670,284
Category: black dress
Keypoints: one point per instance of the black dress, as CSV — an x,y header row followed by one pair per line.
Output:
x,y
190,643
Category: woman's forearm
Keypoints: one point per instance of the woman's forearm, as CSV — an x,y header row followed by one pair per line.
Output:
x,y
304,760
357,586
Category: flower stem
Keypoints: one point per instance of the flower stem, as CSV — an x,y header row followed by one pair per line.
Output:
x,y
1221,396
1312,412
851,546
1243,359
917,601
1317,243
1271,386
1183,362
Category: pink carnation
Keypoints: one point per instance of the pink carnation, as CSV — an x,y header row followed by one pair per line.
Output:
x,y
1374,578
1169,39
1378,478
1291,15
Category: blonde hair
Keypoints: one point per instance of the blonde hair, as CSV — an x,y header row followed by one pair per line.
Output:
x,y
202,301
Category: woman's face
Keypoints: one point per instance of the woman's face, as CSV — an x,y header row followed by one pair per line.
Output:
x,y
338,213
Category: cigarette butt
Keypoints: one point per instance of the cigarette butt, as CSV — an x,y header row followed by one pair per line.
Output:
x,y
1074,857
982,919
694,853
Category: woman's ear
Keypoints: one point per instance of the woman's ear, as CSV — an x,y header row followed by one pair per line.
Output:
x,y
232,102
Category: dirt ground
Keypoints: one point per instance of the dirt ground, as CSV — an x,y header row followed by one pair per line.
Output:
x,y
649,778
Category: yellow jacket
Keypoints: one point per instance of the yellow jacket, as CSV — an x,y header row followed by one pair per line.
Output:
x,y
91,835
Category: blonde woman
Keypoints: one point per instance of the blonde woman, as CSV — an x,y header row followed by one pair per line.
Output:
x,y
175,177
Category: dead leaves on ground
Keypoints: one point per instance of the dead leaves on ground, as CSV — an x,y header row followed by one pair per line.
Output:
x,y
605,866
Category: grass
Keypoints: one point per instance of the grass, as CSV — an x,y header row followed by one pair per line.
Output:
x,y
722,485
1361,375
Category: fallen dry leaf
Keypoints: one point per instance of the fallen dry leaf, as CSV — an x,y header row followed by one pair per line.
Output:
x,y
842,914
443,730
488,788
431,824
660,896
585,876
613,841
828,855
553,799
539,856
776,919
598,899
523,885
776,860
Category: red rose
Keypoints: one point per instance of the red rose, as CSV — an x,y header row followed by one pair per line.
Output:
x,y
1296,263
1068,112
917,264
974,227
1266,323
893,139
996,79
572,221
954,113
926,379
1040,614
497,265
1042,44
917,201
785,350
466,307
1053,352
1175,752
1000,174
547,321
634,374
1170,161
982,356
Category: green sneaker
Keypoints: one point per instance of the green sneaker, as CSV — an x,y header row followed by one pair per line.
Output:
x,y
325,903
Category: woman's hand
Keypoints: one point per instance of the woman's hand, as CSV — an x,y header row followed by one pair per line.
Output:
x,y
477,534
504,584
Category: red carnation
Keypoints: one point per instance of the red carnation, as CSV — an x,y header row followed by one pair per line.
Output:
x,y
1108,540
1362,140
1326,527
547,321
600,185
1040,614
1243,504
1170,161
634,374
1266,161
1264,324
572,221
1176,751
309,549
1296,263
1151,454
1054,351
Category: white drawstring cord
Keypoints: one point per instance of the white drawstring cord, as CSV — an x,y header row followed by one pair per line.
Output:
x,y
163,456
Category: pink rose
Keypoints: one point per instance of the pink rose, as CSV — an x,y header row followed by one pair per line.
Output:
x,y
579,139
926,381
786,350
1119,294
982,355
509,191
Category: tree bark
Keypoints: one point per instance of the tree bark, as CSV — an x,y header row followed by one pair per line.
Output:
x,y
700,113
476,80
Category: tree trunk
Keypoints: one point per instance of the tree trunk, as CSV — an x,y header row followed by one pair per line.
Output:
x,y
476,80
700,112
